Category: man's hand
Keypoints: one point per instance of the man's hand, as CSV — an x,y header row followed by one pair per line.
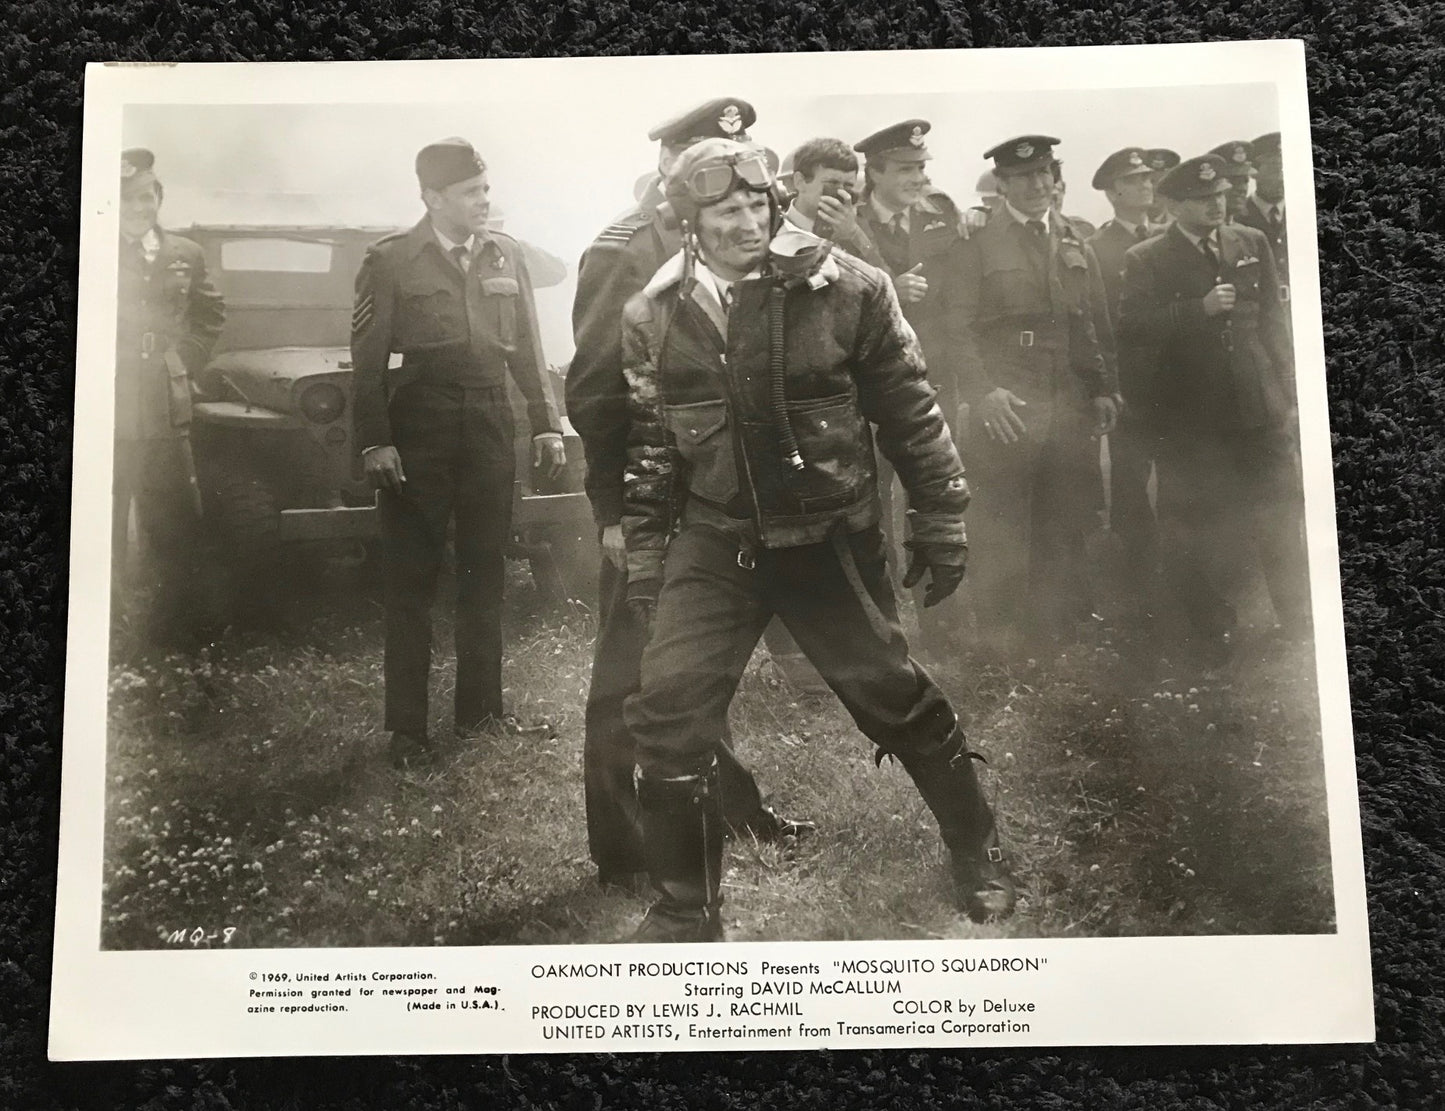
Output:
x,y
613,547
911,285
548,454
1106,416
840,216
642,603
945,561
1219,299
996,414
383,468
971,220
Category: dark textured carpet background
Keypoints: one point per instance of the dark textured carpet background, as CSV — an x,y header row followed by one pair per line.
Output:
x,y
1376,77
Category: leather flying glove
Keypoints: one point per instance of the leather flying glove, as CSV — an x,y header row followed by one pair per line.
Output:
x,y
642,602
945,561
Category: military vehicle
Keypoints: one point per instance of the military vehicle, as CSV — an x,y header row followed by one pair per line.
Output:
x,y
281,478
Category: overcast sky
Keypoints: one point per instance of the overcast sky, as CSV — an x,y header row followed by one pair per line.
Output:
x,y
561,169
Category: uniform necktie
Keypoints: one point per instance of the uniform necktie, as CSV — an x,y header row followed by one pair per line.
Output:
x,y
897,235
727,300
1037,227
1207,244
1275,220
1141,232
463,258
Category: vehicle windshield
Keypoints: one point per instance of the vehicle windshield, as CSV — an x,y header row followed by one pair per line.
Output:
x,y
295,256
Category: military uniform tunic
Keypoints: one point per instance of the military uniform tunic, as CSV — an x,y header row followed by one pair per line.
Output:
x,y
1022,302
1271,224
932,232
1218,391
168,319
1131,451
445,409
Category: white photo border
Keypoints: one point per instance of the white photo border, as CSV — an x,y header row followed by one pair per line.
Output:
x,y
1102,991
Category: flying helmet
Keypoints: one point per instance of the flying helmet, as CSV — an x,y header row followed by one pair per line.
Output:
x,y
708,171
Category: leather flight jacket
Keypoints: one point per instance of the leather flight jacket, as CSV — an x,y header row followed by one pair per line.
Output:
x,y
707,438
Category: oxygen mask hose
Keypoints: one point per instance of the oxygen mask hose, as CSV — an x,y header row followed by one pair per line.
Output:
x,y
777,367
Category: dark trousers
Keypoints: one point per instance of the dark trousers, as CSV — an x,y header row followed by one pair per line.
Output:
x,y
153,475
609,755
1131,517
1031,500
456,450
837,601
1216,490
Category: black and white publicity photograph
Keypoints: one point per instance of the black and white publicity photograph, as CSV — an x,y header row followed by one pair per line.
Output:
x,y
771,551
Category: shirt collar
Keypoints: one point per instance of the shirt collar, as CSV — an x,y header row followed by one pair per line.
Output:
x,y
449,245
719,285
1266,207
1019,217
884,213
1213,237
150,242
797,219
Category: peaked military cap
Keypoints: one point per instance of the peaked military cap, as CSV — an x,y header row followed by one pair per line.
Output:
x,y
900,142
446,162
726,117
1161,158
1122,163
1236,157
1022,153
1264,146
1196,178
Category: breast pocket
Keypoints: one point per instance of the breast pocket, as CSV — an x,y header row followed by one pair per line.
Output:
x,y
431,314
178,281
1246,278
701,433
501,300
1075,274
1010,291
837,460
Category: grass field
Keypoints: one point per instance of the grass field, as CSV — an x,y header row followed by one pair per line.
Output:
x,y
250,803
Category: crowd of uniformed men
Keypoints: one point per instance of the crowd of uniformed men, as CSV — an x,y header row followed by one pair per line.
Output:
x,y
757,364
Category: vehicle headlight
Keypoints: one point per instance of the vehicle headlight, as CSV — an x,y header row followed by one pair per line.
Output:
x,y
323,402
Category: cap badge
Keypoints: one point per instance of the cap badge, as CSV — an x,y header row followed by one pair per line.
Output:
x,y
916,137
1157,162
1135,159
127,169
1206,172
731,120
1024,150
1240,155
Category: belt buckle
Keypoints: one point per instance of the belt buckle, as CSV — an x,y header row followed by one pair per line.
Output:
x,y
995,855
148,343
1026,339
746,560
